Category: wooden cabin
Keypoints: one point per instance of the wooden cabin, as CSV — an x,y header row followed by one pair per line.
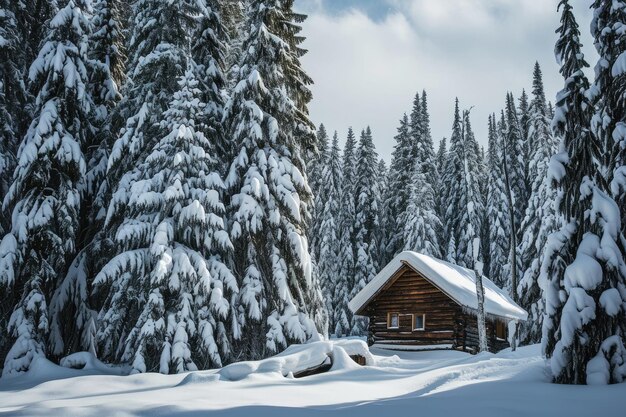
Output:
x,y
419,302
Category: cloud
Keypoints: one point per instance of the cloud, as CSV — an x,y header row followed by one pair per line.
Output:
x,y
367,68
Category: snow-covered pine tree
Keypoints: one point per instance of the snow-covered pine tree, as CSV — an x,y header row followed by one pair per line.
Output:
x,y
347,219
382,257
315,170
584,261
107,52
209,52
420,220
45,193
514,154
427,150
497,208
334,285
441,158
452,179
13,97
540,219
473,206
168,305
514,188
280,299
366,221
159,39
609,89
33,17
398,189
523,115
463,200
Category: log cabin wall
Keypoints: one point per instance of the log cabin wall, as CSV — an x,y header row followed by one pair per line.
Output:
x,y
446,324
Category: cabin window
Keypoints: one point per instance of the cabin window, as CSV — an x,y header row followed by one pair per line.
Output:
x,y
501,330
393,321
419,321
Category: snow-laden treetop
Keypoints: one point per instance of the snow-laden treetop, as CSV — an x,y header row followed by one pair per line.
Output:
x,y
456,282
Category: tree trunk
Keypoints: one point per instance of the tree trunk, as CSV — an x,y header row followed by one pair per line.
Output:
x,y
482,328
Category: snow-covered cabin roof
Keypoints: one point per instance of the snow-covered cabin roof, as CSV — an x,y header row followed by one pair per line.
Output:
x,y
456,282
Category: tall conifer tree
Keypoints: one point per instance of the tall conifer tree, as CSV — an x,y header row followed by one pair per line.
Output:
x,y
583,265
270,197
45,193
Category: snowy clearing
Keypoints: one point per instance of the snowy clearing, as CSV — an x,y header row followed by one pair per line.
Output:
x,y
437,383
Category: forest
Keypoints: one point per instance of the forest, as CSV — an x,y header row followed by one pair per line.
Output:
x,y
168,204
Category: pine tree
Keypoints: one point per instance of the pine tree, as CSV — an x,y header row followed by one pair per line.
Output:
x,y
382,237
45,193
347,220
271,201
583,325
514,154
168,304
13,97
427,150
540,219
315,169
523,115
473,206
398,190
209,53
420,220
107,52
161,31
515,189
366,221
497,210
463,202
334,285
608,122
440,210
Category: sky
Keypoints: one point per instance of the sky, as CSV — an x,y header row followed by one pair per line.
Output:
x,y
368,58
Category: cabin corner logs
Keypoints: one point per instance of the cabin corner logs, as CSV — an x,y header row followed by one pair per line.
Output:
x,y
446,324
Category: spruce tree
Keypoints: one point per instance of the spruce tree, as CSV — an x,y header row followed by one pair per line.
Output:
x,y
523,115
366,223
13,97
470,220
583,334
347,219
315,170
168,307
270,199
515,189
609,122
334,285
540,219
440,210
399,188
463,201
382,237
45,194
497,207
421,223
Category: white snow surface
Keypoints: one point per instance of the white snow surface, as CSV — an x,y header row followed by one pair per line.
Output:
x,y
457,282
427,383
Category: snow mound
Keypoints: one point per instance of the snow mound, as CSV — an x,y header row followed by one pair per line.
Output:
x,y
87,361
299,358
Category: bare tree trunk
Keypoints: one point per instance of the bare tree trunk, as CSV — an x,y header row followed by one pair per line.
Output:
x,y
513,246
480,293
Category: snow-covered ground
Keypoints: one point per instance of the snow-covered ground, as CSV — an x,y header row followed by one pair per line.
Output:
x,y
426,383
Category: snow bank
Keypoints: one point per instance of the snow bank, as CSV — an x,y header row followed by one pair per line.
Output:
x,y
88,362
299,358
